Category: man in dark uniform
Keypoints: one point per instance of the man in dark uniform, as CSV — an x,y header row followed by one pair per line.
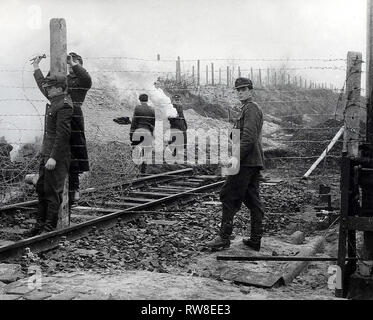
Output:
x,y
178,124
244,186
55,153
143,122
78,83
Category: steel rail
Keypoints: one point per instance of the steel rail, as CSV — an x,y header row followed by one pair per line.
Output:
x,y
52,239
133,182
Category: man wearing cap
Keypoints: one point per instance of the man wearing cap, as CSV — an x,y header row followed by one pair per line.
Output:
x,y
178,124
244,186
78,82
55,152
142,126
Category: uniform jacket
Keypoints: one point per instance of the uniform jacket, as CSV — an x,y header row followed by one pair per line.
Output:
x,y
250,124
178,122
78,85
144,118
56,141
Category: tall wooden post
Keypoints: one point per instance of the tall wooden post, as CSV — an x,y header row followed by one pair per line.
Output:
x,y
268,78
251,74
198,73
219,75
193,74
275,79
352,111
367,195
260,77
227,76
207,75
158,57
178,71
239,71
58,65
212,74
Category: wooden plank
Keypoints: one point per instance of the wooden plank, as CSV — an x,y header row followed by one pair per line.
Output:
x,y
323,155
135,199
150,194
93,209
17,205
169,190
123,203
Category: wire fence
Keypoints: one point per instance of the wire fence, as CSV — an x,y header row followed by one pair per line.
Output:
x,y
297,132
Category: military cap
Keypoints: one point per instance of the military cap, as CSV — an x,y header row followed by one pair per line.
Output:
x,y
77,57
243,82
176,96
56,80
143,97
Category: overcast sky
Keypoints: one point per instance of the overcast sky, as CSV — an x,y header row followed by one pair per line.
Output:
x,y
205,29
202,29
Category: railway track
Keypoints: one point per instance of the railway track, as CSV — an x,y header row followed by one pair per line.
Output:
x,y
102,207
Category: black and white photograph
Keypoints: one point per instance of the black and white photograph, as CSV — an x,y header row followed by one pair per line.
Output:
x,y
187,158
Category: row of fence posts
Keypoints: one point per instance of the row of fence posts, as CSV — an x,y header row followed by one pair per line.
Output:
x,y
270,78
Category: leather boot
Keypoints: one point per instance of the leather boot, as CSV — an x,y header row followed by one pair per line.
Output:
x,y
40,219
52,218
218,243
254,245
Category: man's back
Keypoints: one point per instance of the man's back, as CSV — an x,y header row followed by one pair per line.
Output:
x,y
144,118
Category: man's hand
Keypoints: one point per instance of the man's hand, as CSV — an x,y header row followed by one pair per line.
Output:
x,y
70,61
51,164
233,163
36,61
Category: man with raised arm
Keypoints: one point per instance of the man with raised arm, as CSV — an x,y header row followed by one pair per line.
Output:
x,y
55,152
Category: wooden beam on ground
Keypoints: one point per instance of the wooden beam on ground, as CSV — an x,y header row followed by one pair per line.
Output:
x,y
325,152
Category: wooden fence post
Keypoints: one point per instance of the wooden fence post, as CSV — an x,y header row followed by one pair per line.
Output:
x,y
227,76
212,74
268,78
198,73
207,74
219,75
178,71
58,65
352,111
260,77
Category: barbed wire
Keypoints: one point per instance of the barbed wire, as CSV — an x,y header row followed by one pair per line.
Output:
x,y
168,103
113,170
